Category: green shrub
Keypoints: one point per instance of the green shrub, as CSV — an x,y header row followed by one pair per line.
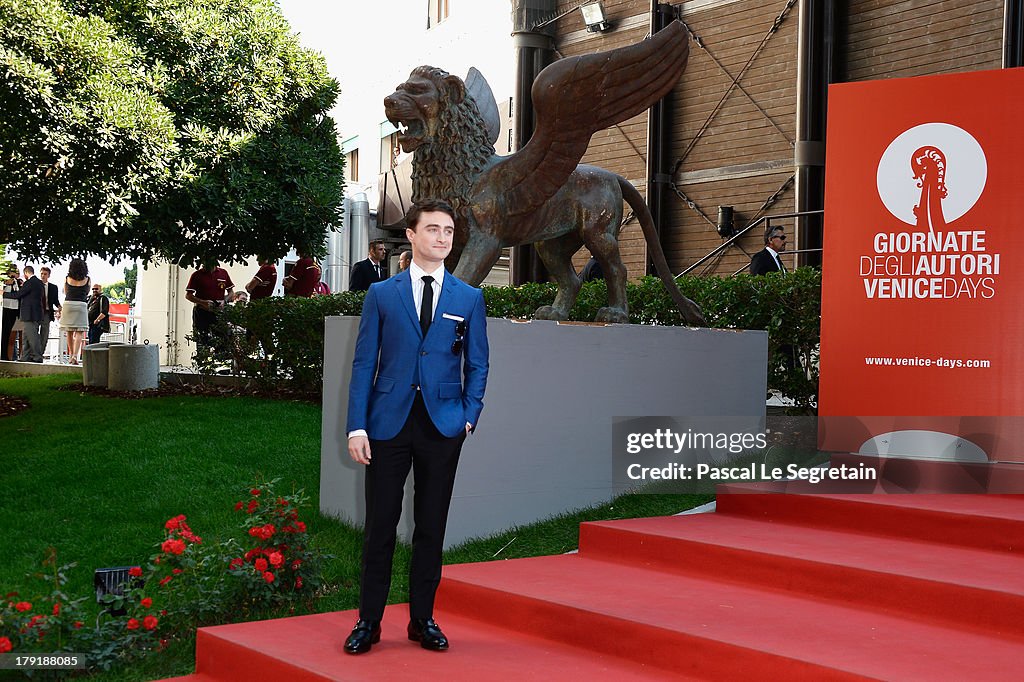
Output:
x,y
282,338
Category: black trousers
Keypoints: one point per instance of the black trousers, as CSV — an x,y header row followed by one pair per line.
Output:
x,y
10,316
433,458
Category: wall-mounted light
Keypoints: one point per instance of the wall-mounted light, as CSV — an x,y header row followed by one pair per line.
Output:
x,y
726,226
593,15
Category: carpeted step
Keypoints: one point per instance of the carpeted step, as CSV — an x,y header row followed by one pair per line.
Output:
x,y
715,629
309,649
962,587
990,522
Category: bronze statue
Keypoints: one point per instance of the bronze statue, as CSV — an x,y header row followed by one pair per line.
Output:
x,y
539,194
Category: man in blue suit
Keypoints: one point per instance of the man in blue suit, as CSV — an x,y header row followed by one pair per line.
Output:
x,y
417,389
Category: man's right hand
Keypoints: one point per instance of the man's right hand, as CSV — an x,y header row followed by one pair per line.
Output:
x,y
359,449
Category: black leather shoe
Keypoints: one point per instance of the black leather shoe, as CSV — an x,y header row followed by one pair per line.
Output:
x,y
428,634
364,635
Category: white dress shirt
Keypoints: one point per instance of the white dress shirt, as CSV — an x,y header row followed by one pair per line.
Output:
x,y
775,255
416,274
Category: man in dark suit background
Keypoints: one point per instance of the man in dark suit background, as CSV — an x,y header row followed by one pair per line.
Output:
x,y
30,310
418,379
767,259
50,301
366,272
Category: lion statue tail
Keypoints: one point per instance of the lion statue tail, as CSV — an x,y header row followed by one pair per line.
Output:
x,y
690,311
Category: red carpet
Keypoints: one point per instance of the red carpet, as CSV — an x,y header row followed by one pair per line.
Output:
x,y
771,586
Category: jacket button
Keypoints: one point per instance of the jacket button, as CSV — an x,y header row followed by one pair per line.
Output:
x,y
423,353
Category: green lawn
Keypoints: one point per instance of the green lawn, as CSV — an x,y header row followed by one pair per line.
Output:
x,y
96,477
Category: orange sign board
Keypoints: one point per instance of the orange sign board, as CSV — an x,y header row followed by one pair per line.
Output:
x,y
923,280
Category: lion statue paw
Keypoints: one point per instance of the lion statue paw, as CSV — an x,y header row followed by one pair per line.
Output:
x,y
617,315
548,312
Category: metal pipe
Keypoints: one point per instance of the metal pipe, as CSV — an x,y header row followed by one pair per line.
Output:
x,y
658,138
1013,33
534,49
814,73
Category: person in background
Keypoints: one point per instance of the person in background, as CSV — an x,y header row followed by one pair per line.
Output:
x,y
767,259
11,284
50,301
263,282
74,318
240,298
209,288
404,260
303,278
30,312
322,289
99,314
366,272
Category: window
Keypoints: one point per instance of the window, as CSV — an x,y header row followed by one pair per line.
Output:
x,y
352,166
389,151
437,11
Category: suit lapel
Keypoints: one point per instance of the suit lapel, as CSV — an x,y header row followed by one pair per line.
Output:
x,y
404,284
443,303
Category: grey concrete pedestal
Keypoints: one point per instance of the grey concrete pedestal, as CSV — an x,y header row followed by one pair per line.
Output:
x,y
95,363
133,367
544,442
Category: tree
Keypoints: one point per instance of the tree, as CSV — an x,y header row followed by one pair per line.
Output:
x,y
131,279
182,129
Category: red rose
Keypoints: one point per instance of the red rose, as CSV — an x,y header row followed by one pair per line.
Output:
x,y
191,537
283,502
253,505
156,560
296,564
164,612
276,559
5,645
301,526
298,582
239,505
173,524
56,609
132,624
164,581
261,564
173,546
268,576
150,622
236,564
146,602
268,531
251,553
176,571
77,625
135,572
23,606
36,620
255,492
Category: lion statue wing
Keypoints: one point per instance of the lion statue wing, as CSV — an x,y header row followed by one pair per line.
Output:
x,y
574,98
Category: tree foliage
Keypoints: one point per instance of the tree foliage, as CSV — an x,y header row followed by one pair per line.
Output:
x,y
182,129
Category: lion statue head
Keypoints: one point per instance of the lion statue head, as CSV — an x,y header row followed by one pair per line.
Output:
x,y
442,127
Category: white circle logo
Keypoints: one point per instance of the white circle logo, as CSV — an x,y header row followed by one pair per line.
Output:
x,y
931,175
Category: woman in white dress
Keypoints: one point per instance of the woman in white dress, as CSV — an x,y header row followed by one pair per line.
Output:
x,y
74,317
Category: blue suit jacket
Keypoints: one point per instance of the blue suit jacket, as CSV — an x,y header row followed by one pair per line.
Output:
x,y
391,353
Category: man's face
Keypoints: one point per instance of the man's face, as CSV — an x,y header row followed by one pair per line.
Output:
x,y
404,260
96,291
432,239
28,273
44,275
377,252
778,241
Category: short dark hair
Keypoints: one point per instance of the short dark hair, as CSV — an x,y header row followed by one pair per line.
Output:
x,y
29,268
78,269
44,269
427,206
769,234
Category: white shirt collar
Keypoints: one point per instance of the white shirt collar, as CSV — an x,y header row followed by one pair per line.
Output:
x,y
775,254
417,273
